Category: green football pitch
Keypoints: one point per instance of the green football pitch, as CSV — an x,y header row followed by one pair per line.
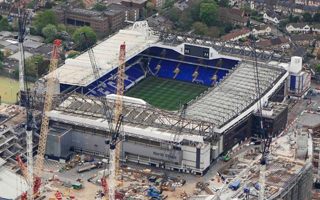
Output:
x,y
166,94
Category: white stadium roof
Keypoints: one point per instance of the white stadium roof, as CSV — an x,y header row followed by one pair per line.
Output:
x,y
78,71
236,95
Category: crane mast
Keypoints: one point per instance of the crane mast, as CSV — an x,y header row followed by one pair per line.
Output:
x,y
92,58
45,119
265,138
115,150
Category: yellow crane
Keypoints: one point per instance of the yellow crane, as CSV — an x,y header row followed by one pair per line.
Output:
x,y
35,174
115,145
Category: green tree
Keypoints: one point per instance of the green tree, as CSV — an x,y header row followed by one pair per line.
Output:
x,y
168,4
36,66
61,27
223,3
1,56
49,32
185,21
173,15
149,8
43,19
307,17
208,12
1,59
213,32
80,41
316,17
4,24
318,68
200,28
99,7
194,9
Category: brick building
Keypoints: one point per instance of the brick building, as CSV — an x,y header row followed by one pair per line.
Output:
x,y
105,22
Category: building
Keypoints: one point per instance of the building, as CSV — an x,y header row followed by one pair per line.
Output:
x,y
274,117
261,30
103,23
272,17
158,3
299,80
278,42
298,28
233,16
236,34
211,125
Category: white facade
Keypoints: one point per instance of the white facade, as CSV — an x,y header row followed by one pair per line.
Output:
x,y
267,18
292,29
265,31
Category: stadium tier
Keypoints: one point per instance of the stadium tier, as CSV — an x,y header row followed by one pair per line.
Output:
x,y
167,64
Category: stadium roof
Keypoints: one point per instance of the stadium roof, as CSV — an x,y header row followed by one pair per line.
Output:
x,y
235,94
11,184
78,71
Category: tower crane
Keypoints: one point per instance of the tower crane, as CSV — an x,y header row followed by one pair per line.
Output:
x,y
34,177
92,58
115,144
265,138
118,118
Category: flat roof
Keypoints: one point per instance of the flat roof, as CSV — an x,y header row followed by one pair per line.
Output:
x,y
234,94
78,71
11,184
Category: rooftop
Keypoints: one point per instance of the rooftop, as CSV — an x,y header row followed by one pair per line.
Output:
x,y
78,71
235,94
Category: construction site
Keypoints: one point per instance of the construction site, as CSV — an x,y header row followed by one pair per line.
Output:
x,y
100,125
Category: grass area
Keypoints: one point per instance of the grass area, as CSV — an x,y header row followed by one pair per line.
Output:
x,y
8,90
165,93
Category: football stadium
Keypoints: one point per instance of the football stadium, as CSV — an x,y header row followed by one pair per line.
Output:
x,y
184,105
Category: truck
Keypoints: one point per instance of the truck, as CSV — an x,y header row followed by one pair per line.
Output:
x,y
89,167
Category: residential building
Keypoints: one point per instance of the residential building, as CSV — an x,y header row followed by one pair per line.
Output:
x,y
234,16
279,42
261,30
298,28
158,3
236,35
303,28
271,16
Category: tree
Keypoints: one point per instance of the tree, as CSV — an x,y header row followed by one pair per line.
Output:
x,y
4,24
36,66
316,17
223,3
173,15
318,54
61,27
208,12
49,32
99,7
43,19
1,59
213,32
80,41
185,21
168,4
150,8
307,17
318,68
1,56
200,28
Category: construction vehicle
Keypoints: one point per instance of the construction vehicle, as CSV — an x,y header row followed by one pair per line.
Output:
x,y
90,167
154,193
226,157
35,182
